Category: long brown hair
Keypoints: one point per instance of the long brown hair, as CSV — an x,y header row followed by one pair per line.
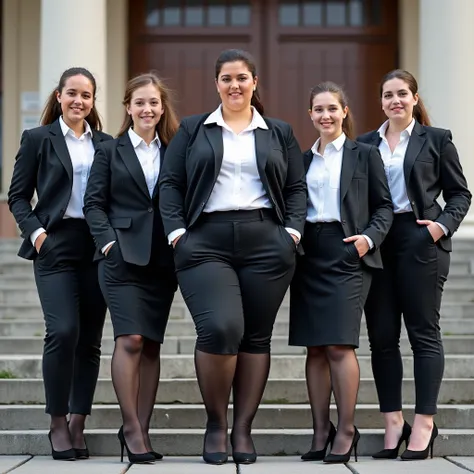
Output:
x,y
338,91
233,55
52,110
168,124
419,110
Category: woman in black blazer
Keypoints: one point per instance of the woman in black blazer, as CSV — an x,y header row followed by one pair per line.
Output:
x,y
349,215
54,160
421,162
233,205
136,270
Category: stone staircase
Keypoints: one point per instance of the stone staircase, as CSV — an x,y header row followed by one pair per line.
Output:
x,y
283,422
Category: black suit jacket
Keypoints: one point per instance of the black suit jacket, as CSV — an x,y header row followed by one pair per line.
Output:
x,y
366,205
42,164
118,206
432,167
193,161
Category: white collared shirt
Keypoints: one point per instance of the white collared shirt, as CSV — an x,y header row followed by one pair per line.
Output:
x,y
148,156
238,185
393,163
81,151
324,182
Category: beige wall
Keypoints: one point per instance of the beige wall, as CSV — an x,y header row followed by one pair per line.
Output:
x,y
409,33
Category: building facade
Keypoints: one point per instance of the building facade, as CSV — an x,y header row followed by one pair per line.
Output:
x,y
296,43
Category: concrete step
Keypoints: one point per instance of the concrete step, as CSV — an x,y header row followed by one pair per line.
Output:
x,y
33,417
182,366
181,442
185,327
185,345
278,391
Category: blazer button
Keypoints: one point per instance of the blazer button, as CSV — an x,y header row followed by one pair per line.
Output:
x,y
150,209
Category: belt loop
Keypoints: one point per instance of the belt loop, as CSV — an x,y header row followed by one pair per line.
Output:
x,y
261,214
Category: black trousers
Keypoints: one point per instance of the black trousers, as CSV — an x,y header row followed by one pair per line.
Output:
x,y
234,269
74,314
411,283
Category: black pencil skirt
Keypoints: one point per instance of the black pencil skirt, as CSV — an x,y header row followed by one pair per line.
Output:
x,y
328,291
139,297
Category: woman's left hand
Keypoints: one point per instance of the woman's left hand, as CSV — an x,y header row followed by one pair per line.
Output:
x,y
434,229
295,238
360,243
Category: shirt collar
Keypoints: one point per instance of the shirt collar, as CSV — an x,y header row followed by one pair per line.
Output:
x,y
383,129
337,144
65,128
137,140
257,119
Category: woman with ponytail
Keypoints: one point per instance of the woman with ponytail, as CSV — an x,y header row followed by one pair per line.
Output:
x,y
421,163
54,160
233,203
349,215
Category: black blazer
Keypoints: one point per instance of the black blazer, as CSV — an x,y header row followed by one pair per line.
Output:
x,y
118,205
193,161
42,164
366,205
432,167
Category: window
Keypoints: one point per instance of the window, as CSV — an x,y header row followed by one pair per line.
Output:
x,y
329,13
197,13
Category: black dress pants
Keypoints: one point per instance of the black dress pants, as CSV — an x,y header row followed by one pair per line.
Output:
x,y
411,283
74,314
234,269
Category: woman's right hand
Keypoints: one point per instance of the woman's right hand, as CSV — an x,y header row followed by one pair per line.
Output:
x,y
175,241
40,240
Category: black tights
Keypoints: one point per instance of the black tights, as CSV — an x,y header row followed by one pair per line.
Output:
x,y
332,368
135,375
246,374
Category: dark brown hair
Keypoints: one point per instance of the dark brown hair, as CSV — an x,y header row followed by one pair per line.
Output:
x,y
52,110
168,124
338,91
419,110
233,55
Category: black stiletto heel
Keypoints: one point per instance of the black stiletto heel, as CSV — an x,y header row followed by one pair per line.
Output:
x,y
243,458
66,455
393,453
343,458
81,453
409,455
213,458
319,455
132,457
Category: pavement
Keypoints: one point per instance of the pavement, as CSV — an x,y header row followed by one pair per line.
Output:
x,y
265,465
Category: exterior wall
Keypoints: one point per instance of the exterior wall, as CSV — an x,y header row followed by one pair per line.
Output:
x,y
409,34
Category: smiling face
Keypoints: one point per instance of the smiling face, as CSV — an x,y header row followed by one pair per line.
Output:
x,y
235,85
145,108
398,101
327,115
76,99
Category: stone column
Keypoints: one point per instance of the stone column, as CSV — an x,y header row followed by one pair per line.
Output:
x,y
446,76
73,33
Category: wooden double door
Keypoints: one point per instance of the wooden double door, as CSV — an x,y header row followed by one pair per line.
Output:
x,y
296,44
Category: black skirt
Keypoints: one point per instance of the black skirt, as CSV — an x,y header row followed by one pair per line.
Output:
x,y
139,297
328,291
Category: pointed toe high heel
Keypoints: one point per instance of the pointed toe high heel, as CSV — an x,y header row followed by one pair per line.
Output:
x,y
81,453
319,455
66,455
243,458
142,458
409,455
158,456
393,453
213,458
343,458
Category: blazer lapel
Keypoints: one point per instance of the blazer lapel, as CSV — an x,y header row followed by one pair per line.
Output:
x,y
349,163
130,159
307,158
60,147
415,144
162,156
262,148
96,138
214,134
